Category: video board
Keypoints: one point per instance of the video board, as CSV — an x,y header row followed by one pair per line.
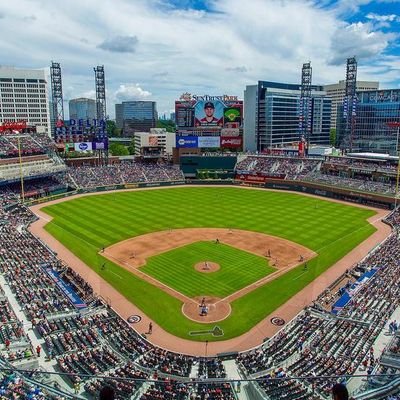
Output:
x,y
208,112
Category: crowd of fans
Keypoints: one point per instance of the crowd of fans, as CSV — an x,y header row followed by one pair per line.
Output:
x,y
285,168
97,341
126,172
344,172
317,343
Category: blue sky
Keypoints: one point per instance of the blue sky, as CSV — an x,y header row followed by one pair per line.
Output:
x,y
158,49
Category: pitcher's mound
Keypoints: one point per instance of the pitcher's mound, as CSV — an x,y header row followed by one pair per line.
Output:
x,y
217,310
206,266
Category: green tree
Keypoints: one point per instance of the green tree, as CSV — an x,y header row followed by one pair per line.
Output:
x,y
131,147
117,149
168,124
110,127
332,137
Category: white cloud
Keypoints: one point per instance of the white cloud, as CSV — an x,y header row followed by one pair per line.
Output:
x,y
180,50
358,40
131,92
383,18
119,44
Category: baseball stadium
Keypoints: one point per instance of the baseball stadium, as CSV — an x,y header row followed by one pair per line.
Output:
x,y
224,276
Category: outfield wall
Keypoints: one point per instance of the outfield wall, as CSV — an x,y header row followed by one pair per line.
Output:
x,y
352,196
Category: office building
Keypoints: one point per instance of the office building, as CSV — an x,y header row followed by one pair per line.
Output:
x,y
141,115
337,91
271,115
154,144
24,97
370,131
82,108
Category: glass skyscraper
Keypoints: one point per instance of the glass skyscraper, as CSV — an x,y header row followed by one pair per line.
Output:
x,y
271,113
82,108
136,115
371,133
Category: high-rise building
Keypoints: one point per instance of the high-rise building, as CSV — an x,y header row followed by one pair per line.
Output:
x,y
337,91
271,115
82,108
140,115
371,131
24,96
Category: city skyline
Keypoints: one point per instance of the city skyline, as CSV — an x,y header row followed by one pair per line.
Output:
x,y
155,50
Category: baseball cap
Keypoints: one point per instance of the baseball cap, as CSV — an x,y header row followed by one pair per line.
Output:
x,y
209,105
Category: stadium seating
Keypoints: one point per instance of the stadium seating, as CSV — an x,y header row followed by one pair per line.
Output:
x,y
97,340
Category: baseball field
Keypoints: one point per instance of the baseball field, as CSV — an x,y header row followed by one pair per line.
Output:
x,y
326,229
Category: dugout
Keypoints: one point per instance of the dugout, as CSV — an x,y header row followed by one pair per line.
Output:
x,y
191,164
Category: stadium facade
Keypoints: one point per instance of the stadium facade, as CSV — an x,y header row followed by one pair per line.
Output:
x,y
271,115
24,96
371,133
337,91
82,108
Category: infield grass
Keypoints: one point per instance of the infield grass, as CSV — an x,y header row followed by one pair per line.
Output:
x,y
238,269
86,224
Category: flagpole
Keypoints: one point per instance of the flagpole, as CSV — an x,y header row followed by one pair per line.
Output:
x,y
20,170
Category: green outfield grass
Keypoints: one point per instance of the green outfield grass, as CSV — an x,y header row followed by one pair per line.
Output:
x,y
238,268
87,224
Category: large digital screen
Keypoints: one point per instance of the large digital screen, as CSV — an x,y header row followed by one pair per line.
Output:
x,y
208,114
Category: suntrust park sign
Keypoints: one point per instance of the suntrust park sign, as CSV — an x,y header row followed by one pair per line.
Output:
x,y
205,97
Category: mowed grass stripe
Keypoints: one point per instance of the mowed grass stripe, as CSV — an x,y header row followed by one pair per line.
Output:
x,y
238,269
320,225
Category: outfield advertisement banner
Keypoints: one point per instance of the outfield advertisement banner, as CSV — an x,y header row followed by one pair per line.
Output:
x,y
209,141
83,146
232,142
186,141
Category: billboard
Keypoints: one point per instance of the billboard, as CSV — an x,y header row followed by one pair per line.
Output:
x,y
186,141
209,141
232,142
83,146
209,113
153,140
230,132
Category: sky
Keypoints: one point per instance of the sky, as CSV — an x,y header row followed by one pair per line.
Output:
x,y
158,49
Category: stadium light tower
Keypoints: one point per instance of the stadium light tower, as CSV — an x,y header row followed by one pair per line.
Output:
x,y
100,83
350,101
56,93
305,112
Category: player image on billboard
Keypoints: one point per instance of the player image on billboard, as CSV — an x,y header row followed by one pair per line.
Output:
x,y
209,113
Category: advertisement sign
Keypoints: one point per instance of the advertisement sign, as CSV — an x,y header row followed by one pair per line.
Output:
x,y
232,142
153,140
252,178
186,141
209,141
209,113
83,146
100,145
230,132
